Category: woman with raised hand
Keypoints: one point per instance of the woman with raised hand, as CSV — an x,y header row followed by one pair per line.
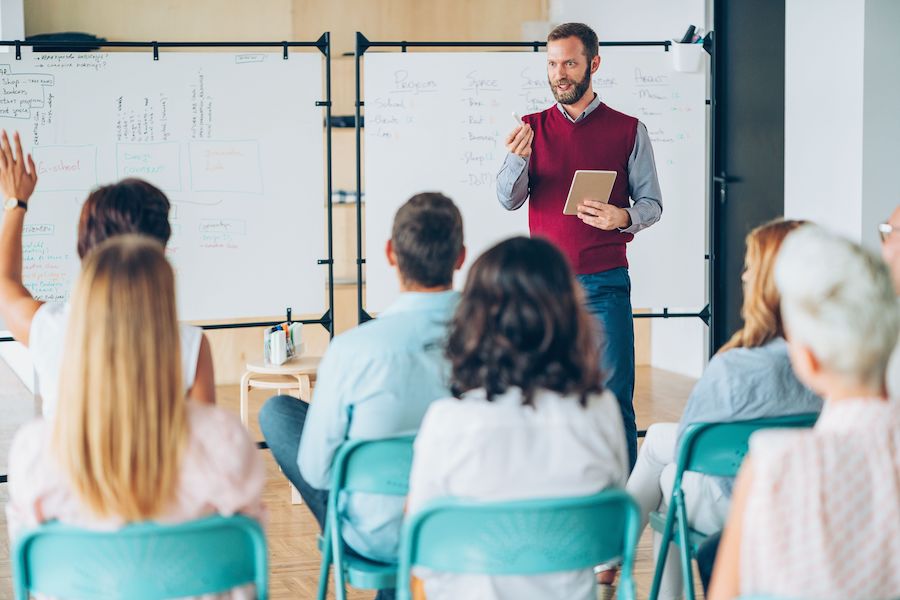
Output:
x,y
127,206
124,445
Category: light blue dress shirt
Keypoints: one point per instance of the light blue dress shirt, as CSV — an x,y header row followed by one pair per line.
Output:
x,y
377,381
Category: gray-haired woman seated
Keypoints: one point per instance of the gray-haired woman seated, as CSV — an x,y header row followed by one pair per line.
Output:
x,y
816,513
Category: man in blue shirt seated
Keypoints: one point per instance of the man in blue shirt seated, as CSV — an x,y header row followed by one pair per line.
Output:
x,y
377,380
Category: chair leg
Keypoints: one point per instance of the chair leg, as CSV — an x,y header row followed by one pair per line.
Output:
x,y
304,388
340,587
684,550
326,563
663,551
245,397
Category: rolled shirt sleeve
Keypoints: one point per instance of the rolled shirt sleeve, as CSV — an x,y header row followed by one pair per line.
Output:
x,y
643,184
512,182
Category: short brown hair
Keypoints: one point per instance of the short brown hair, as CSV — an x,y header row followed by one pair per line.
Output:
x,y
584,33
427,238
129,206
521,322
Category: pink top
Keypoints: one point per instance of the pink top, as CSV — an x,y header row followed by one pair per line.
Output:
x,y
222,473
823,514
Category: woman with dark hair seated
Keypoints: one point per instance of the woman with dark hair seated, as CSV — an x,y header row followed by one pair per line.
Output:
x,y
530,418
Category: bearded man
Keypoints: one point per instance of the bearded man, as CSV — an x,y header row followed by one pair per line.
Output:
x,y
581,132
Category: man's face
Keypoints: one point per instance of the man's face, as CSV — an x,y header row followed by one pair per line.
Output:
x,y
890,248
568,69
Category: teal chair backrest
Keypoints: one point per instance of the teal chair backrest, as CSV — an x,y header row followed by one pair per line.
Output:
x,y
523,537
373,466
144,561
362,466
718,449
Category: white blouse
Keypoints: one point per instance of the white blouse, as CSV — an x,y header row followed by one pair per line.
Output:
x,y
502,450
46,345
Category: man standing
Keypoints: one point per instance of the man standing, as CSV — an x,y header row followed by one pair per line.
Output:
x,y
377,380
581,132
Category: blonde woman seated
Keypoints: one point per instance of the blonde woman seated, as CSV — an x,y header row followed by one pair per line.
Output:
x,y
816,513
530,418
749,378
124,445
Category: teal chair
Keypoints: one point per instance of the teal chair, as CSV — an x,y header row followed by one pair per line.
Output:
x,y
362,466
144,561
714,449
523,537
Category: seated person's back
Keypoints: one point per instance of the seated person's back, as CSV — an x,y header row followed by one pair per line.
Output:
x,y
126,446
824,509
530,418
816,513
377,380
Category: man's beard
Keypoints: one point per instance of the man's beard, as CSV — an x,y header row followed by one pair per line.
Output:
x,y
575,92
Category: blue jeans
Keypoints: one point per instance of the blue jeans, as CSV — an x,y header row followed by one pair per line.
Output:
x,y
281,420
608,298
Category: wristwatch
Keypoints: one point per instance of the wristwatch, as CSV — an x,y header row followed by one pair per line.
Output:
x,y
11,203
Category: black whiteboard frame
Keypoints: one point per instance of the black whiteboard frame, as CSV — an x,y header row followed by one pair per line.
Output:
x,y
363,44
323,44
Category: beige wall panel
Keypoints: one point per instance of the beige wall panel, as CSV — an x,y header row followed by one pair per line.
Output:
x,y
415,20
164,20
344,217
343,161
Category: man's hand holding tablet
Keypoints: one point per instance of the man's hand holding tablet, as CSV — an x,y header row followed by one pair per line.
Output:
x,y
589,200
603,216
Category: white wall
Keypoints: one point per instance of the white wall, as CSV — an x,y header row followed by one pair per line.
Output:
x,y
618,20
823,125
12,20
16,356
678,345
842,128
881,126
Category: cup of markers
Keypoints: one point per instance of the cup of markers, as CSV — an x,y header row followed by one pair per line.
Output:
x,y
282,342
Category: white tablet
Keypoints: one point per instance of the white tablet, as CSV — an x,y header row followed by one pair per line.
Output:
x,y
589,185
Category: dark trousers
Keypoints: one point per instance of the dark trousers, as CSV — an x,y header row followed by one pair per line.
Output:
x,y
706,558
281,421
608,298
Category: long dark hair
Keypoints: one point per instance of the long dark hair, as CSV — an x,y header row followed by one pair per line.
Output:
x,y
521,323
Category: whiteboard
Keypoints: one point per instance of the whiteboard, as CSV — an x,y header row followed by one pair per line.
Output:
x,y
234,140
438,121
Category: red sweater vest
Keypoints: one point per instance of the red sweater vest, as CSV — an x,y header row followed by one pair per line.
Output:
x,y
602,141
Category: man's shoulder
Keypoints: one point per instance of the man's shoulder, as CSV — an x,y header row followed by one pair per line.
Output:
x,y
542,116
382,334
619,115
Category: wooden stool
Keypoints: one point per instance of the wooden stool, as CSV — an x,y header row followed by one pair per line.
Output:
x,y
294,375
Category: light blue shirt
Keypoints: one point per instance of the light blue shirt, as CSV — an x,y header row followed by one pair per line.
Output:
x,y
377,381
748,383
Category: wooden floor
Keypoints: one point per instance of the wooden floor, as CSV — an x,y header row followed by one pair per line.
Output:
x,y
291,531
